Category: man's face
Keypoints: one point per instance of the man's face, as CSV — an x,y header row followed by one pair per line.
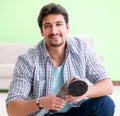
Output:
x,y
55,30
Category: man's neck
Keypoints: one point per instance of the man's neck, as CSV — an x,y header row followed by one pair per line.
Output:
x,y
57,55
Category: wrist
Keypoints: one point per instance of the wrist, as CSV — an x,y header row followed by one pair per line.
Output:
x,y
38,103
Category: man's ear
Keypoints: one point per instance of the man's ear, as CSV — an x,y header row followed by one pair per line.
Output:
x,y
67,26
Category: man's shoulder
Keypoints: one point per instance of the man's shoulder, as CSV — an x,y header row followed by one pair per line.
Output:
x,y
34,50
74,38
85,40
36,47
75,41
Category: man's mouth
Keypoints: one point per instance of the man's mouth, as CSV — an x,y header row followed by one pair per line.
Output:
x,y
54,36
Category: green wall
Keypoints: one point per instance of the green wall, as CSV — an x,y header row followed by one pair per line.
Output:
x,y
100,18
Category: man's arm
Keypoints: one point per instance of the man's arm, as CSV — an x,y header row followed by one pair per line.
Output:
x,y
26,107
21,107
101,88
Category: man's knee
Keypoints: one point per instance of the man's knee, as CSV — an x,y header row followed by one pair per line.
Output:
x,y
102,106
106,105
107,101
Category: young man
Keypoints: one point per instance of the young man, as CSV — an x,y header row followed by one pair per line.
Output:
x,y
40,73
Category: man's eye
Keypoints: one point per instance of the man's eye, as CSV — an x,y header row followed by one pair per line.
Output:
x,y
47,26
59,24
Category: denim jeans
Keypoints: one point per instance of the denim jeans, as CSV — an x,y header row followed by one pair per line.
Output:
x,y
102,106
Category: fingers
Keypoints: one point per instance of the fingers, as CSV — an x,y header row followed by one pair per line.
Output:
x,y
57,103
57,106
52,102
74,99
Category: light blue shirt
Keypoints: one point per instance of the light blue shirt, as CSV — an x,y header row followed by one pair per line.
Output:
x,y
57,84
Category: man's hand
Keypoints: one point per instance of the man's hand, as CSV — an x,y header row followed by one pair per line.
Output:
x,y
51,102
74,99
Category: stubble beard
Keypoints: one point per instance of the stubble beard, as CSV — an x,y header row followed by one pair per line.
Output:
x,y
56,44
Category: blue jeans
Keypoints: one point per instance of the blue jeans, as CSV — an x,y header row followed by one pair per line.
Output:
x,y
102,106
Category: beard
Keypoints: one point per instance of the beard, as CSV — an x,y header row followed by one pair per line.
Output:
x,y
55,36
56,44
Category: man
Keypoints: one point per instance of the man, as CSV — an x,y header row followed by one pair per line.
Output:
x,y
40,73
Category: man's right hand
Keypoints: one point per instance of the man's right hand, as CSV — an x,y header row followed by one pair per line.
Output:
x,y
52,102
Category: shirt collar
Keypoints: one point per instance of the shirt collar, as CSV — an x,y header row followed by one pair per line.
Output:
x,y
45,51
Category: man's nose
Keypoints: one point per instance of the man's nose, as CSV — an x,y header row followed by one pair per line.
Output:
x,y
54,29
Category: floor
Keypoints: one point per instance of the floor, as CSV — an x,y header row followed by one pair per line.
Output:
x,y
115,96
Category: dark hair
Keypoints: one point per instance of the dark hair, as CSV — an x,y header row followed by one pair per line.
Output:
x,y
51,8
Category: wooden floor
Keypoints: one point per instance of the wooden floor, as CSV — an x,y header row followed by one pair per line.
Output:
x,y
116,83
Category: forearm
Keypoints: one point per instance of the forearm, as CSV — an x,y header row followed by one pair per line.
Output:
x,y
22,107
102,88
26,107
